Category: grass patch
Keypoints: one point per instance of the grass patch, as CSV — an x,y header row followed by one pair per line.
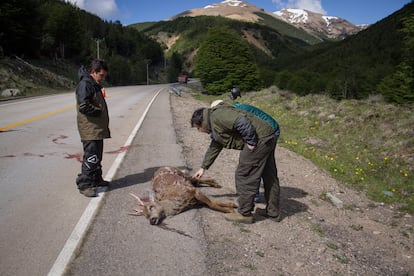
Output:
x,y
365,144
332,246
250,266
357,227
342,259
317,228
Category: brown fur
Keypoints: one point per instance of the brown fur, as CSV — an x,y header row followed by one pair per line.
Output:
x,y
174,193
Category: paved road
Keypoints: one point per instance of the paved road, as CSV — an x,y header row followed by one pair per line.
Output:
x,y
39,160
118,244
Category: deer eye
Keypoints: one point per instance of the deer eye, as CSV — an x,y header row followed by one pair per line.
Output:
x,y
151,207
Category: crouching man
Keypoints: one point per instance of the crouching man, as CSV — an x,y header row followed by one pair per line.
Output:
x,y
233,128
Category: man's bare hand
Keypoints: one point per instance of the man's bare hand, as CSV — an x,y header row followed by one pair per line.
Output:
x,y
250,147
199,173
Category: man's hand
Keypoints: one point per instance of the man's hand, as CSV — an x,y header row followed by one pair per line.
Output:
x,y
89,109
199,173
250,147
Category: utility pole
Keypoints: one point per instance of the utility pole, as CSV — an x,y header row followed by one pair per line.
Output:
x,y
98,40
147,61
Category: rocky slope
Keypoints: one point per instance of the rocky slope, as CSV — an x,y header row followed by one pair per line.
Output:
x,y
322,26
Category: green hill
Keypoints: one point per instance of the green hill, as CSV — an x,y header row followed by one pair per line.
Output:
x,y
269,44
355,67
358,65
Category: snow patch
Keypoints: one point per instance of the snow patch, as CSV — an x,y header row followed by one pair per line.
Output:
x,y
328,19
294,15
232,3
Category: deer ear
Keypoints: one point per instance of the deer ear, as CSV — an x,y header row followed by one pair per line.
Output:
x,y
151,195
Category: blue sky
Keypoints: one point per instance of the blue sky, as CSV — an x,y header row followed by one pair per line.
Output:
x,y
136,11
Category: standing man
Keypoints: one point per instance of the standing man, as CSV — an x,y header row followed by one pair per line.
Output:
x,y
93,126
232,128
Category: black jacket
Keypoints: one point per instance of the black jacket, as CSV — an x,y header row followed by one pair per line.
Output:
x,y
92,111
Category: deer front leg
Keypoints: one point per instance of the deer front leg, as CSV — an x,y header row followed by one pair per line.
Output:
x,y
227,204
218,206
206,181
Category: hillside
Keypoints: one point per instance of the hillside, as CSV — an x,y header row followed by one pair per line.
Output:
x,y
56,31
184,36
292,58
356,66
322,26
317,26
31,78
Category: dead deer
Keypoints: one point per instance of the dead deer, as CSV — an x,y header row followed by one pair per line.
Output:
x,y
174,192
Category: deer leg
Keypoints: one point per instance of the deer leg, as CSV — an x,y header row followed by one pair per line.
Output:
x,y
227,208
206,181
227,204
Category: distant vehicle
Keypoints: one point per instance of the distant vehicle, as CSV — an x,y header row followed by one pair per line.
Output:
x,y
182,78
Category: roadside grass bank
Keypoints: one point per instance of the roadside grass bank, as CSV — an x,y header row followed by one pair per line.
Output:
x,y
35,78
366,144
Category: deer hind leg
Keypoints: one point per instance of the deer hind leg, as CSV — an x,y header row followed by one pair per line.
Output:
x,y
206,181
225,207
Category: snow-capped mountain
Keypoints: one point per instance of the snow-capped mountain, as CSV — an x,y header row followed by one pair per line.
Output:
x,y
318,24
233,9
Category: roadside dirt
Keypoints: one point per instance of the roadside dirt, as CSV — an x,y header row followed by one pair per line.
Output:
x,y
315,237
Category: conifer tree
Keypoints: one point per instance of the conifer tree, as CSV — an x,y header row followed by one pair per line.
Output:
x,y
224,60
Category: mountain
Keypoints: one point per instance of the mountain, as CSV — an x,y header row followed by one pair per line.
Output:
x,y
232,9
287,56
322,26
317,25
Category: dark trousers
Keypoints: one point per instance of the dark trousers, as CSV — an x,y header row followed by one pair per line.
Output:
x,y
91,169
253,165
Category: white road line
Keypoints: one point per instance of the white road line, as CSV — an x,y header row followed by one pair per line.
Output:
x,y
78,233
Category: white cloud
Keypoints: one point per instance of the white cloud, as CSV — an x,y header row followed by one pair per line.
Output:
x,y
103,8
78,3
310,5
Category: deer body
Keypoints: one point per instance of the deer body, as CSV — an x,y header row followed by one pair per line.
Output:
x,y
174,193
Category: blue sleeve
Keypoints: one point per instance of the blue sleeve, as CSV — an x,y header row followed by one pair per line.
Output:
x,y
246,130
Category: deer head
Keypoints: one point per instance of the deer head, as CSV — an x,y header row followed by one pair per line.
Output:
x,y
151,209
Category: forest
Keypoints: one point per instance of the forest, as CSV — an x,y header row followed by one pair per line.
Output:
x,y
56,30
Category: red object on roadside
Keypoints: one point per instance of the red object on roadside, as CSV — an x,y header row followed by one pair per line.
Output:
x,y
182,78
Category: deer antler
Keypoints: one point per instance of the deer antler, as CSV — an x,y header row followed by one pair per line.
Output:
x,y
137,212
137,198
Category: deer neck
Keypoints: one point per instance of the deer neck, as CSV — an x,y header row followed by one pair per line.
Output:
x,y
171,207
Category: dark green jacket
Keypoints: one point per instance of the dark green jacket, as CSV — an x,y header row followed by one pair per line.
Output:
x,y
261,114
92,111
232,128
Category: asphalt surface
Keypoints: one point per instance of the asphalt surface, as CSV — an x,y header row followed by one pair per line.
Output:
x,y
120,244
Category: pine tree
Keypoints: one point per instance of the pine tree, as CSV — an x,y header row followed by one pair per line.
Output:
x,y
399,87
224,60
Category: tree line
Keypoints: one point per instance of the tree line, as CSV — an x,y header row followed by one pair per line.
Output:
x,y
55,29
